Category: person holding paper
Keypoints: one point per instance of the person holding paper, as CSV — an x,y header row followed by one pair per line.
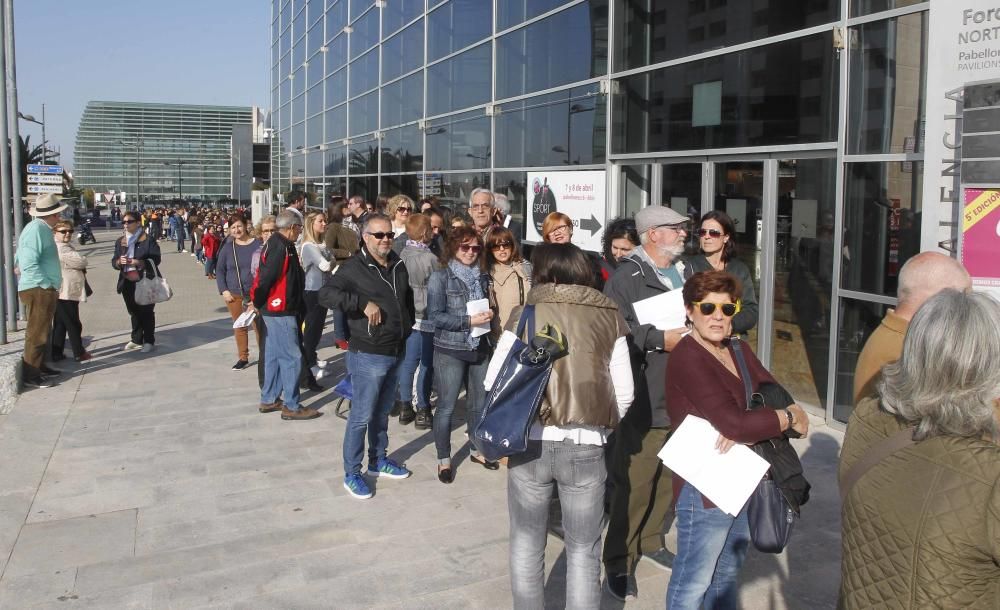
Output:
x,y
703,379
461,352
234,277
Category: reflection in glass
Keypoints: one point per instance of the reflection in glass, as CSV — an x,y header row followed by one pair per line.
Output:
x,y
363,113
460,82
563,128
336,123
335,161
314,71
651,31
867,7
858,320
336,88
314,100
882,211
395,184
362,155
636,184
364,73
403,100
459,142
512,13
403,150
569,46
336,56
456,188
314,132
366,186
365,34
783,93
456,25
681,191
314,164
403,52
887,76
515,186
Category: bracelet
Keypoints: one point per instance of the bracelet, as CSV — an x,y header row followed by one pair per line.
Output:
x,y
791,418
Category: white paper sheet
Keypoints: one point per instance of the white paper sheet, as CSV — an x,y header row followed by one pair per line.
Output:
x,y
245,319
665,311
478,306
726,479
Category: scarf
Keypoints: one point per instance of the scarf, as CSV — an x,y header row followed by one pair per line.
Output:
x,y
470,277
131,241
417,244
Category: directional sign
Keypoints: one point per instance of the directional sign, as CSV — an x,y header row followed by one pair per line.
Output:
x,y
44,179
581,195
45,169
44,188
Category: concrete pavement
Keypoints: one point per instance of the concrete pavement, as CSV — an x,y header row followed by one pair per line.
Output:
x,y
150,481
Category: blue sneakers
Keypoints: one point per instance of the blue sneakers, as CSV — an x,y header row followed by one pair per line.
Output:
x,y
387,468
356,486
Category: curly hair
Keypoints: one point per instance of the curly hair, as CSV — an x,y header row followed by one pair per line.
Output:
x,y
618,228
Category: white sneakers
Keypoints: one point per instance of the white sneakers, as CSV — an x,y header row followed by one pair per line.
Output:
x,y
131,346
319,371
144,348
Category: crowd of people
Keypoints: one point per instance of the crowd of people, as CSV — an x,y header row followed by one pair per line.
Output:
x,y
420,297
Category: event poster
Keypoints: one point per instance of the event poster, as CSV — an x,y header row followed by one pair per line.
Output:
x,y
981,237
580,195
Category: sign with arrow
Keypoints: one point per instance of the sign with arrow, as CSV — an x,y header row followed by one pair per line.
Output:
x,y
45,169
44,179
45,188
581,195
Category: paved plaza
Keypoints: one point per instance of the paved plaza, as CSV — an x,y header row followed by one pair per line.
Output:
x,y
151,481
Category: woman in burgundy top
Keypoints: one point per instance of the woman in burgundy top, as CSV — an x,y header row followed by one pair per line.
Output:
x,y
703,379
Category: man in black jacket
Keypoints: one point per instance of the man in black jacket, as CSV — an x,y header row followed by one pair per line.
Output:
x,y
372,288
277,295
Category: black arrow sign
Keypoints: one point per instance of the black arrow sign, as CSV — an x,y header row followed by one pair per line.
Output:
x,y
593,225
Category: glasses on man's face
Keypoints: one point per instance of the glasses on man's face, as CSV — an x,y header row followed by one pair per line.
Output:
x,y
707,308
65,231
715,233
474,248
130,221
380,235
478,207
502,245
681,227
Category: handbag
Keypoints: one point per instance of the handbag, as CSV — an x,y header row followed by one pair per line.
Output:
x,y
775,504
152,290
513,401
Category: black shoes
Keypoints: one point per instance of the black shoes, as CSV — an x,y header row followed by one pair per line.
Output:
x,y
397,408
38,381
424,420
488,465
240,365
407,414
47,370
621,586
445,475
313,386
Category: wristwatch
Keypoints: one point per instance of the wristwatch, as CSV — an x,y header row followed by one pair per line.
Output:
x,y
791,418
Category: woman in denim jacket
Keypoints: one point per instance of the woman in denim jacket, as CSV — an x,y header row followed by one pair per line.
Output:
x,y
458,355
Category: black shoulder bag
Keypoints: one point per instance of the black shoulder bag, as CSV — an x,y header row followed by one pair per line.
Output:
x,y
774,506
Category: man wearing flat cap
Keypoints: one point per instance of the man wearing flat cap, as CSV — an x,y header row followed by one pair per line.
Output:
x,y
642,490
40,278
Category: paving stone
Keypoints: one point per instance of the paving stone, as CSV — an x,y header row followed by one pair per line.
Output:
x,y
72,542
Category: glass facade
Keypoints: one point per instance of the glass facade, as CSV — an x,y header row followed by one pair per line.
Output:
x,y
802,119
163,151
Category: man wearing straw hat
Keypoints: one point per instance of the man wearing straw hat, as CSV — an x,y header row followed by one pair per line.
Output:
x,y
37,259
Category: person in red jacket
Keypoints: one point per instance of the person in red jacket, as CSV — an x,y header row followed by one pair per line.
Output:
x,y
210,244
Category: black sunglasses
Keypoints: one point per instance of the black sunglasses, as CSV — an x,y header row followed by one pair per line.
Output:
x,y
380,235
130,221
64,231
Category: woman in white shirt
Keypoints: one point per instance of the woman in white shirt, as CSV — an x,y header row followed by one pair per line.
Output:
x,y
316,263
588,393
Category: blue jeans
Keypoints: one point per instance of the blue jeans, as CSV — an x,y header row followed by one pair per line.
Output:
x,y
419,357
282,362
711,547
209,265
374,379
449,373
579,473
180,240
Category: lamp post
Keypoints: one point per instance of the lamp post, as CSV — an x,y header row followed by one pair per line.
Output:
x,y
138,149
179,164
32,119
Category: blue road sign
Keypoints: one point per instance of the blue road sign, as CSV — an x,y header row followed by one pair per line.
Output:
x,y
45,169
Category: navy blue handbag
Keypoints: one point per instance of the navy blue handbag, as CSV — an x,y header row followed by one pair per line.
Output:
x,y
512,404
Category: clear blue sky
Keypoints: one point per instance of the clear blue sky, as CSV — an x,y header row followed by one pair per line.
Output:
x,y
70,52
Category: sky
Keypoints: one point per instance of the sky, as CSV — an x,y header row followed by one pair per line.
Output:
x,y
70,52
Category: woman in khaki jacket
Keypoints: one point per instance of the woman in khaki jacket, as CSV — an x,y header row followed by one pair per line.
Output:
x,y
921,525
72,292
510,275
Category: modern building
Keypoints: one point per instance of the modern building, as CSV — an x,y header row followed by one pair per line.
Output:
x,y
157,151
826,128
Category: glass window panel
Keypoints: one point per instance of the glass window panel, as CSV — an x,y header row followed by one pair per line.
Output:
x,y
314,164
406,184
314,131
297,171
366,187
298,109
403,52
336,123
882,211
681,191
285,42
455,188
298,52
298,136
564,128
460,82
858,320
403,150
459,142
362,155
314,10
651,31
299,24
336,55
566,47
314,71
784,93
515,186
403,100
286,64
867,7
336,88
360,6
363,113
335,185
397,14
285,115
364,73
456,25
336,160
286,90
286,15
315,37
336,19
314,100
513,12
887,74
365,34
298,82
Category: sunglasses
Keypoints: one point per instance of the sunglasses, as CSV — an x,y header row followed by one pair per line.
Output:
x,y
130,221
502,245
710,233
380,235
467,248
728,309
404,209
65,231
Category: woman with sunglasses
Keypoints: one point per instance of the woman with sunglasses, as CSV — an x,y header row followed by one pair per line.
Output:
x,y
510,275
398,209
133,254
72,292
718,251
703,379
459,356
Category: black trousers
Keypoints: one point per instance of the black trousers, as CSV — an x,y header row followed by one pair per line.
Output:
x,y
143,317
315,319
67,322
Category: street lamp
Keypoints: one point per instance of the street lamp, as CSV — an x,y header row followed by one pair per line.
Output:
x,y
179,164
32,119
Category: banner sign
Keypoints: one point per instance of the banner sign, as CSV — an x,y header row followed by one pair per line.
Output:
x,y
981,237
580,195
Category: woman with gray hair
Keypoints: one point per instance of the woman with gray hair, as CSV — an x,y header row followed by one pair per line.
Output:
x,y
920,467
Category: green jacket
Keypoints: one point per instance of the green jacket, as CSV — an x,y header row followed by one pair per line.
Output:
x,y
37,257
921,529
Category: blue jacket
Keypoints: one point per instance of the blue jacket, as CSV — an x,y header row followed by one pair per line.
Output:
x,y
446,308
